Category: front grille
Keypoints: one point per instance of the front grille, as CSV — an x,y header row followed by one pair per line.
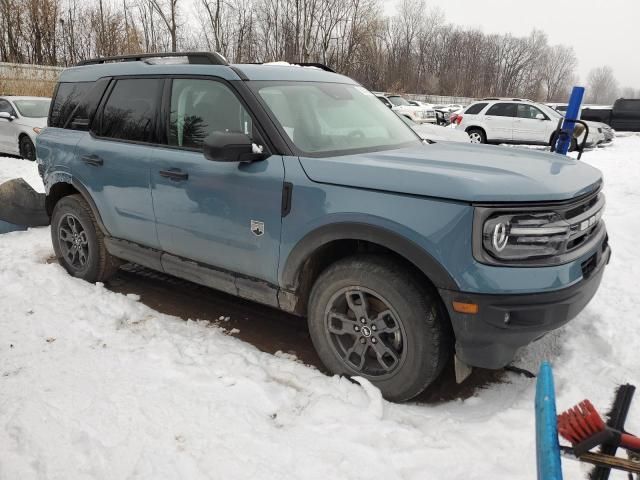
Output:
x,y
584,221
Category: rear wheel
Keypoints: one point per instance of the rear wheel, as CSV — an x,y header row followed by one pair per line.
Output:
x,y
476,135
26,147
371,317
78,242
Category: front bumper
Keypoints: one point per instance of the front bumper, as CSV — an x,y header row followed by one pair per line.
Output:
x,y
504,323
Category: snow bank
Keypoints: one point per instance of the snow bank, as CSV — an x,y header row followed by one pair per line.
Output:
x,y
94,384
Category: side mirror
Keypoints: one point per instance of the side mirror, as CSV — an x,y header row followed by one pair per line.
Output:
x,y
231,147
7,116
540,116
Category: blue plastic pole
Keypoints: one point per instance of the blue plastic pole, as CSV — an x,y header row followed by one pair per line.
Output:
x,y
573,113
547,446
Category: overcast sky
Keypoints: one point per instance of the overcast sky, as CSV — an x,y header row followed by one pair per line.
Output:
x,y
601,32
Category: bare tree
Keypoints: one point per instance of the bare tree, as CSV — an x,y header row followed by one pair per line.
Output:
x,y
167,10
602,85
558,67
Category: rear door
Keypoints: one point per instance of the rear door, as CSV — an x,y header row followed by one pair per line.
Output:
x,y
531,125
222,214
498,121
113,161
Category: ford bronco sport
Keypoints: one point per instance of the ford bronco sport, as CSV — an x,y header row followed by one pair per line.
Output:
x,y
295,187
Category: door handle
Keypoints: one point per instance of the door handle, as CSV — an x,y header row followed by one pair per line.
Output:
x,y
174,174
94,160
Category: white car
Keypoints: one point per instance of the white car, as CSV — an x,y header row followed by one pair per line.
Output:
x,y
516,121
21,119
436,133
398,104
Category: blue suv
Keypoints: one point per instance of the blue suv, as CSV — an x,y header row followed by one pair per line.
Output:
x,y
296,188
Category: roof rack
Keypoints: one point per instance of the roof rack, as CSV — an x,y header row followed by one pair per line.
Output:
x,y
509,99
199,58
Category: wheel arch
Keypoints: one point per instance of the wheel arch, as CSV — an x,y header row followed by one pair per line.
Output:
x,y
64,188
476,127
327,244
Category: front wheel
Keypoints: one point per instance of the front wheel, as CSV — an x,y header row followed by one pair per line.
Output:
x,y
370,316
27,149
476,135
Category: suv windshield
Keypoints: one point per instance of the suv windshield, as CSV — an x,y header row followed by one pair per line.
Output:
x,y
33,108
331,117
398,101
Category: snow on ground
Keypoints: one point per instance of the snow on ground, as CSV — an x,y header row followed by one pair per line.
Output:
x,y
16,167
95,385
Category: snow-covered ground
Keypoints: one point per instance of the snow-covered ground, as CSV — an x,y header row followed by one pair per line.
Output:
x,y
95,385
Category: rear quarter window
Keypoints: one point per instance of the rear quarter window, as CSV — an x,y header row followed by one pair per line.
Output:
x,y
68,96
475,109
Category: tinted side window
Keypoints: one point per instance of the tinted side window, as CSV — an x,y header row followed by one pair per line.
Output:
x,y
199,107
475,108
67,98
502,110
130,110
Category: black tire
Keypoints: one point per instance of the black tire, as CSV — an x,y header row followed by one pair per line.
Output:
x,y
415,331
85,236
553,140
477,135
26,147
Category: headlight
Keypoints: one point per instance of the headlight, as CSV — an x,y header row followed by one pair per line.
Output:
x,y
537,235
524,236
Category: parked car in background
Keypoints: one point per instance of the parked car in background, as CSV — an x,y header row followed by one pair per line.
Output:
x,y
21,120
436,133
401,105
517,121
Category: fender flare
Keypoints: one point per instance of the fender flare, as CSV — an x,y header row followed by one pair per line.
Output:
x,y
404,247
84,192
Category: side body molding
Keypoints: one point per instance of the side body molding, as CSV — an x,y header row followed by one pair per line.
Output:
x,y
364,232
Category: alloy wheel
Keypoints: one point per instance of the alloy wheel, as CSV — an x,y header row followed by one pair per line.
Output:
x,y
475,137
365,332
74,243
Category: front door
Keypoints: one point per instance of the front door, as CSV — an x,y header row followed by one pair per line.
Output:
x,y
221,214
113,161
531,125
499,122
8,137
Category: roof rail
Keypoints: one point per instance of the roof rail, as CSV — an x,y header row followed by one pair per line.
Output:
x,y
321,66
200,58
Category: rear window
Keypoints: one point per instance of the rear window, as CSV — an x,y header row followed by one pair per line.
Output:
x,y
67,98
131,109
475,108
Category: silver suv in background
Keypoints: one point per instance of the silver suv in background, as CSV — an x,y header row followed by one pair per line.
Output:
x,y
517,121
400,105
21,120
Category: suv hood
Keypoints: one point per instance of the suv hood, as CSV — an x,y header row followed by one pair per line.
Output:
x,y
465,172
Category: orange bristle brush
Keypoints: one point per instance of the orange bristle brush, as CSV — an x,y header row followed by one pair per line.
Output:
x,y
583,426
